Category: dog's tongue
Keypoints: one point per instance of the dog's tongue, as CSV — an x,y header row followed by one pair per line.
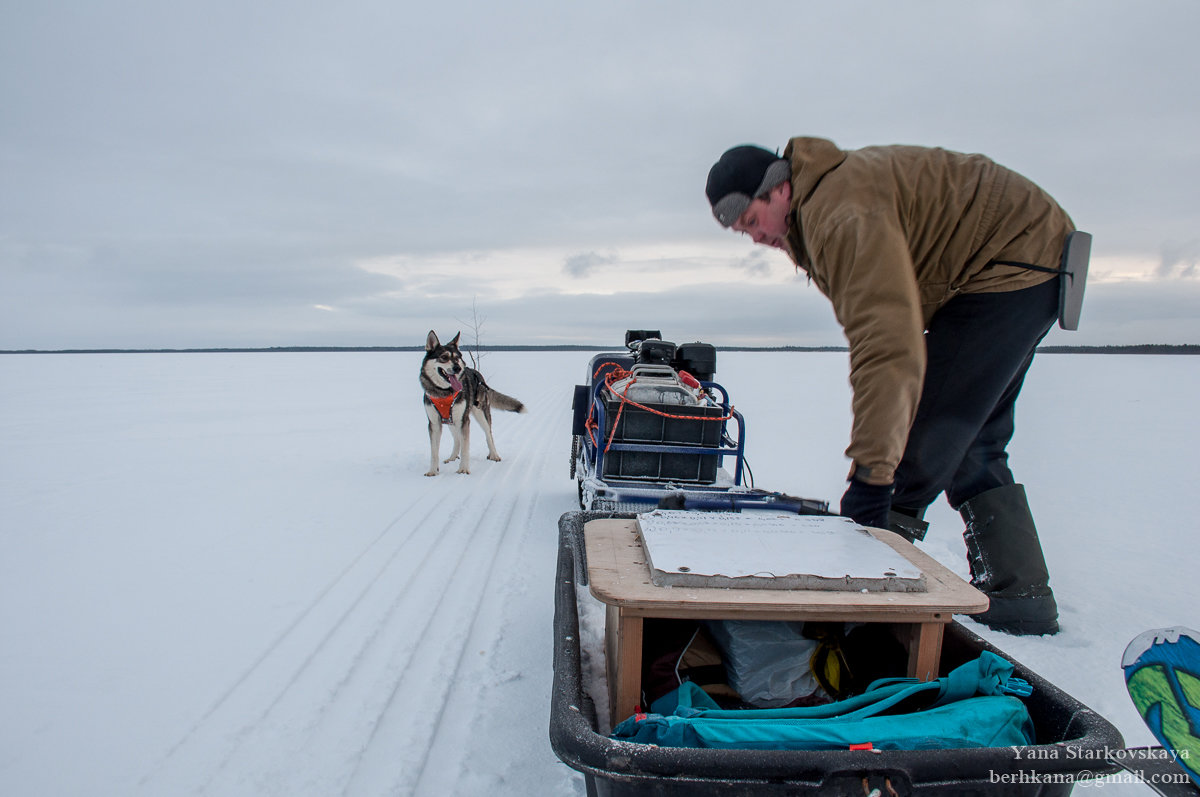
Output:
x,y
454,383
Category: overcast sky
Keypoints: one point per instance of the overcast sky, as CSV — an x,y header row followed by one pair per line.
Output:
x,y
219,173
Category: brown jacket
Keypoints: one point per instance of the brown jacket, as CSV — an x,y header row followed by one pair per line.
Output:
x,y
890,234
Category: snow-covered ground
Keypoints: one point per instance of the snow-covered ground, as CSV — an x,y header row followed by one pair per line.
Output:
x,y
226,574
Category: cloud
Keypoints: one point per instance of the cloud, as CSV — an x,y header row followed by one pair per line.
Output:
x,y
755,264
1179,260
1136,311
176,174
723,313
582,265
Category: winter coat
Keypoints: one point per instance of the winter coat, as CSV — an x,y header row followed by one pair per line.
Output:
x,y
891,234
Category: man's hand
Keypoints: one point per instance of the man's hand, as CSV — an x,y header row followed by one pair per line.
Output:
x,y
867,504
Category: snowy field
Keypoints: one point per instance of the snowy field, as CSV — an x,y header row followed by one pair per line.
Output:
x,y
226,574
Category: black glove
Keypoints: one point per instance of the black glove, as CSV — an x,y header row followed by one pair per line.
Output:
x,y
867,504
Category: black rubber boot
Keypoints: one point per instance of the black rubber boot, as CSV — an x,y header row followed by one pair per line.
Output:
x,y
1007,563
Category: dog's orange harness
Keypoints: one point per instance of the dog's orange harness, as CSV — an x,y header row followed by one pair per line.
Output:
x,y
444,404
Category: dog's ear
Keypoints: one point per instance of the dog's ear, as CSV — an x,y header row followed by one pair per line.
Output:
x,y
432,341
454,342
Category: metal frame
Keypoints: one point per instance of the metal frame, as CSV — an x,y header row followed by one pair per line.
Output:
x,y
725,493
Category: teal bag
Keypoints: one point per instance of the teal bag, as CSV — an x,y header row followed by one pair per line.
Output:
x,y
973,706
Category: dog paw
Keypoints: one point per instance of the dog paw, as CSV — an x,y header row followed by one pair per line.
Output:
x,y
431,473
465,470
451,459
494,457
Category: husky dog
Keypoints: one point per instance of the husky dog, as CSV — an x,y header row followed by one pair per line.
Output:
x,y
453,393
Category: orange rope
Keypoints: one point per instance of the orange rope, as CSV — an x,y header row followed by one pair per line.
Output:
x,y
608,381
619,373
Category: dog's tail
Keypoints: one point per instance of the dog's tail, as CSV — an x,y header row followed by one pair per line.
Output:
x,y
507,403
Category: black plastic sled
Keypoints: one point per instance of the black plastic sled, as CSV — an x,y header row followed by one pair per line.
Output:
x,y
1073,741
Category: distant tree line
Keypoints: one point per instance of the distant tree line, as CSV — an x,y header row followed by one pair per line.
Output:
x,y
1146,348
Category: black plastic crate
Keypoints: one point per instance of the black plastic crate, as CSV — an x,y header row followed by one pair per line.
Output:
x,y
657,467
676,426
636,425
1072,740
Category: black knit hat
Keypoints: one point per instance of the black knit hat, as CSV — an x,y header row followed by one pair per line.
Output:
x,y
743,174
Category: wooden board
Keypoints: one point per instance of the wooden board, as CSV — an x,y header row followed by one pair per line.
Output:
x,y
619,575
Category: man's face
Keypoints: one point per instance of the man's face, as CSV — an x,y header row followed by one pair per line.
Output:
x,y
765,221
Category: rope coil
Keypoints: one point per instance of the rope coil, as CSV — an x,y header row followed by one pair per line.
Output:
x,y
616,374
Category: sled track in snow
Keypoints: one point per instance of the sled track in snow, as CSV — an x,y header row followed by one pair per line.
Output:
x,y
374,677
434,750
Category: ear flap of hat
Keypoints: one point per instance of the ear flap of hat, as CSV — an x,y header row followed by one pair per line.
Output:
x,y
730,208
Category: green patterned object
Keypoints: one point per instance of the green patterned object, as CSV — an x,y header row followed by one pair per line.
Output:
x,y
1162,672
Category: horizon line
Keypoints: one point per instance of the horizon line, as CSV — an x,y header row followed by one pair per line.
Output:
x,y
1135,348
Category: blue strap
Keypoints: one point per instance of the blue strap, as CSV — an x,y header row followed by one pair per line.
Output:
x,y
987,675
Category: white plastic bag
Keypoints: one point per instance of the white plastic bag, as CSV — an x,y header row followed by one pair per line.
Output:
x,y
766,662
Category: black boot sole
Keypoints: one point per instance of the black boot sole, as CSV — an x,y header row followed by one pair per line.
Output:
x,y
1031,616
1021,627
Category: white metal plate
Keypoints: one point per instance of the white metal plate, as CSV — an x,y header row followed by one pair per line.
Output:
x,y
765,551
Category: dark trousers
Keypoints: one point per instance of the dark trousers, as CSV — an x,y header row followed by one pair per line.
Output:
x,y
979,348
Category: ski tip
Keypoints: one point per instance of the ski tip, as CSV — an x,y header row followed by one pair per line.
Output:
x,y
1156,636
